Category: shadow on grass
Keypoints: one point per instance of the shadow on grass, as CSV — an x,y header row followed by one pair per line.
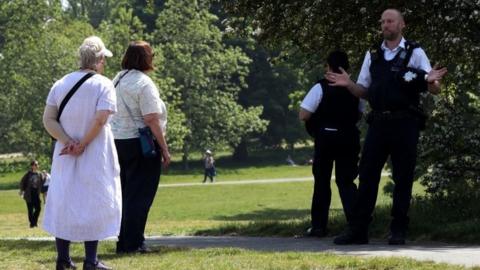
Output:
x,y
267,214
272,222
9,185
430,221
28,248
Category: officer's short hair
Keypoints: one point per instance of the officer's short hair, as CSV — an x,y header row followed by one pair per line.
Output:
x,y
338,59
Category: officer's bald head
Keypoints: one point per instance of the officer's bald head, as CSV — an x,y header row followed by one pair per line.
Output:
x,y
392,24
395,13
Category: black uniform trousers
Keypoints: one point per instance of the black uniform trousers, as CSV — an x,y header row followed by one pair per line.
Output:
x,y
34,207
140,177
397,138
341,147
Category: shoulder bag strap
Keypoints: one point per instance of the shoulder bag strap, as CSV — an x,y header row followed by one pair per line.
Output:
x,y
121,97
71,92
121,76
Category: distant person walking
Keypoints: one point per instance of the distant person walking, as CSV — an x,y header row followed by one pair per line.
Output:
x,y
331,114
209,164
139,107
84,197
46,182
30,187
290,161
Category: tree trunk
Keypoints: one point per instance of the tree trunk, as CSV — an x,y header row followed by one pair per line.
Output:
x,y
291,147
240,153
185,157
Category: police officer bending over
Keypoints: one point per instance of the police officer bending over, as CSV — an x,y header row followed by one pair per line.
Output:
x,y
331,114
392,76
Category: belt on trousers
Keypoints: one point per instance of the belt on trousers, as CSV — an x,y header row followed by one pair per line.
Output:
x,y
389,115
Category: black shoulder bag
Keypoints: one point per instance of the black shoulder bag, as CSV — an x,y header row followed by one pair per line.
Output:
x,y
66,99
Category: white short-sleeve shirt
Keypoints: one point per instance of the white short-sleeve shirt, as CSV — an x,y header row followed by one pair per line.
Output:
x,y
314,97
137,91
419,60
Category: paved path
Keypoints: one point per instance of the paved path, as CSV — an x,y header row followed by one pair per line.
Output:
x,y
247,182
241,182
438,252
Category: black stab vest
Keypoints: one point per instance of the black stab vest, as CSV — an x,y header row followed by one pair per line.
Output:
x,y
385,93
337,109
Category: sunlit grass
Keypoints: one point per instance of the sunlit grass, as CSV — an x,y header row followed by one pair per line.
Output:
x,y
39,255
213,209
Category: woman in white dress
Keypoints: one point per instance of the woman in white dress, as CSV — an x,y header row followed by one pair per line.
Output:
x,y
84,201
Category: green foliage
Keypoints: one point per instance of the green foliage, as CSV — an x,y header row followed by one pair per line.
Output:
x,y
118,31
269,85
207,77
13,166
93,11
38,48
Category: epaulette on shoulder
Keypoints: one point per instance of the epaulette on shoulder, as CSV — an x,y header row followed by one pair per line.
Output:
x,y
411,43
321,81
375,50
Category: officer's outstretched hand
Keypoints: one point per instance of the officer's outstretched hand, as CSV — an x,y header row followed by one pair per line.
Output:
x,y
433,78
436,74
338,79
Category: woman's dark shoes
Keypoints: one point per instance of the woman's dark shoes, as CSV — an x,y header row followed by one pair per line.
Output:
x,y
94,266
62,264
315,232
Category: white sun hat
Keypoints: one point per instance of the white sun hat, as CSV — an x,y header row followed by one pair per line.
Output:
x,y
96,45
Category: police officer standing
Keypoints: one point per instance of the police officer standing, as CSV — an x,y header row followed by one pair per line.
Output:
x,y
331,114
392,76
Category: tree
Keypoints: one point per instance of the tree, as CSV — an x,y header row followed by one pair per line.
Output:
x,y
270,82
448,30
272,78
118,31
207,75
93,11
35,53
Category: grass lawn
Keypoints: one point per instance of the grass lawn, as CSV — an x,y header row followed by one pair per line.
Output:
x,y
253,209
38,255
275,209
